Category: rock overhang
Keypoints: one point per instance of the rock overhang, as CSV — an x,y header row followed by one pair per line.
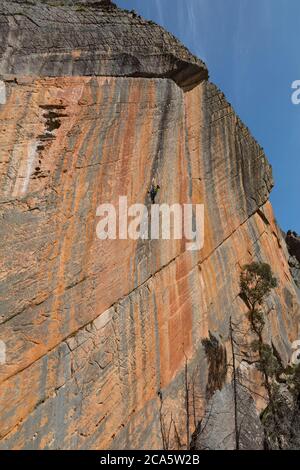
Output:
x,y
90,38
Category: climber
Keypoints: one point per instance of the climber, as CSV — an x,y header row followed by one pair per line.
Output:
x,y
153,192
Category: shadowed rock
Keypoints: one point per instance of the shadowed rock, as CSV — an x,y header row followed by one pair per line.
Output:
x,y
293,243
56,38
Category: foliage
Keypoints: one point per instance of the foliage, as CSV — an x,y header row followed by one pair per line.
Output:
x,y
293,380
217,364
268,363
281,417
256,283
257,320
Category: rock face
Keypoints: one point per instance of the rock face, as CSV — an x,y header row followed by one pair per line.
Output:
x,y
295,269
216,432
293,246
89,38
293,243
102,336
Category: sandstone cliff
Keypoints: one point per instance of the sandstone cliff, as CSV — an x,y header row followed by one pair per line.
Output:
x,y
293,245
95,102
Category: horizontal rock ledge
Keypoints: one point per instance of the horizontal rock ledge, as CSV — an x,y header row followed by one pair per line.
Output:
x,y
90,38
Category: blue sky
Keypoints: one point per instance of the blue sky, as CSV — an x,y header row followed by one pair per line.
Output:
x,y
251,48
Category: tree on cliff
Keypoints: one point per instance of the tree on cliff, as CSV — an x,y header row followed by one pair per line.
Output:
x,y
281,417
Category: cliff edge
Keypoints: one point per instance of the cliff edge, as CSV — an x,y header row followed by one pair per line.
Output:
x,y
87,38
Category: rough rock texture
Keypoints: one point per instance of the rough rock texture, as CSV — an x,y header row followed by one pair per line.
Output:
x,y
284,432
54,38
293,243
293,246
95,329
295,269
217,431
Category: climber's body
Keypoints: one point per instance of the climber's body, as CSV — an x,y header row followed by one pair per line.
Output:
x,y
153,192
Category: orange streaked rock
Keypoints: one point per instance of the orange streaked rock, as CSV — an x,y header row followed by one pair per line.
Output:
x,y
95,329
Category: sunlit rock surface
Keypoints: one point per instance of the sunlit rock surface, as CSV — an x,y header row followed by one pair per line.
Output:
x,y
96,332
